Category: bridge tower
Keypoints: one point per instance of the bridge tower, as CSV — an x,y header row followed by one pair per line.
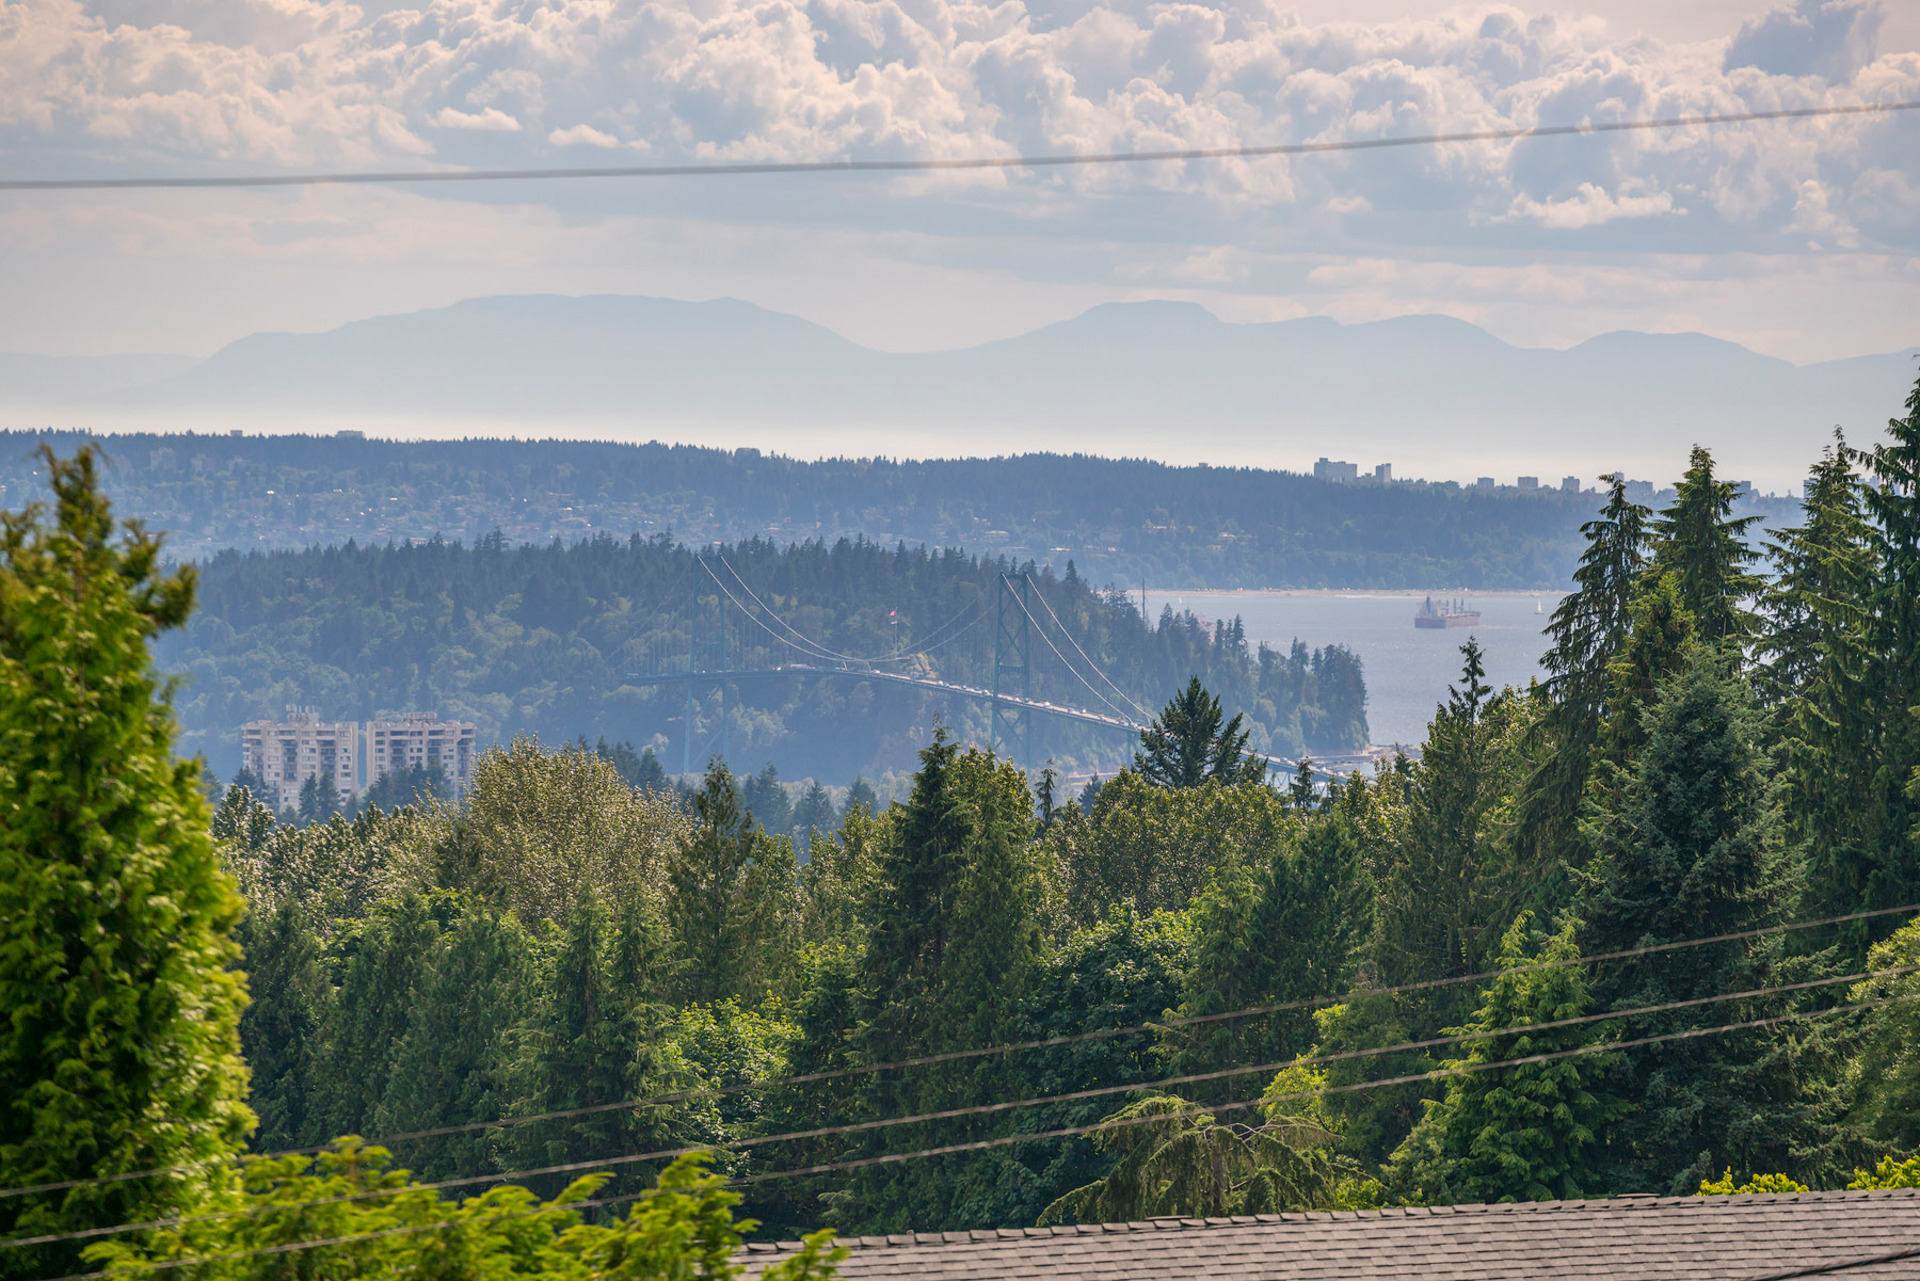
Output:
x,y
1010,724
706,657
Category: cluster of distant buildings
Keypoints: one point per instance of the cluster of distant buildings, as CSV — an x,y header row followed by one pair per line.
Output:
x,y
283,755
1340,472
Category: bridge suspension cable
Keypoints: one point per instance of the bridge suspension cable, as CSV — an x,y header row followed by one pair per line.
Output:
x,y
814,649
1097,669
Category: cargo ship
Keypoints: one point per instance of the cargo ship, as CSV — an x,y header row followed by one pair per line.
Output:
x,y
1448,613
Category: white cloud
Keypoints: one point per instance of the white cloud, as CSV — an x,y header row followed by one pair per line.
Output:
x,y
1832,39
582,135
155,83
486,120
1590,206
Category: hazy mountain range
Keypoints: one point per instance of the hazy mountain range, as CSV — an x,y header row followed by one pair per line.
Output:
x,y
1435,396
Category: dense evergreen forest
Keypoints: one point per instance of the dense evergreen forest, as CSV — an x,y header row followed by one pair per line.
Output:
x,y
558,641
1122,521
1647,926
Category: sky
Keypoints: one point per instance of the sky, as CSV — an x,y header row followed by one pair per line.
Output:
x,y
1801,240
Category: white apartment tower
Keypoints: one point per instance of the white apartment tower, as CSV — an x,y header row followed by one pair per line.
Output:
x,y
285,754
421,738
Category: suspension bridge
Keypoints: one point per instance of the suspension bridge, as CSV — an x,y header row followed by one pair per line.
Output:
x,y
720,654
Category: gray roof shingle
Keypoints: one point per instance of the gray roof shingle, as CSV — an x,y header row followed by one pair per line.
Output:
x,y
1623,1239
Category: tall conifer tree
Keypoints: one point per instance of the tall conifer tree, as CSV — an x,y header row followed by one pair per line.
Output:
x,y
1704,547
953,934
1588,629
121,1042
1888,872
1686,846
1815,644
730,896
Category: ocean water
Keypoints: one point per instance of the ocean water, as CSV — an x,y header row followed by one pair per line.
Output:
x,y
1408,669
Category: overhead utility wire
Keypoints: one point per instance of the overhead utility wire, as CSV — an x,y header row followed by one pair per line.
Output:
x,y
963,163
1455,1070
1098,670
988,1109
1412,1078
950,1056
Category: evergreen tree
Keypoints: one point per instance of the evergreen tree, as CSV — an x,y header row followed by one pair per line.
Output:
x,y
283,1028
1884,868
860,794
1589,628
1705,548
121,1044
1281,921
1686,847
1191,741
651,776
1450,881
1812,605
813,813
1662,643
768,803
953,933
730,896
1816,644
382,964
1522,1133
454,1063
596,1038
319,799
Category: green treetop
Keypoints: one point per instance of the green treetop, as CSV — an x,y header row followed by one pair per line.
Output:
x,y
121,1045
1191,741
1705,549
1588,629
1520,1133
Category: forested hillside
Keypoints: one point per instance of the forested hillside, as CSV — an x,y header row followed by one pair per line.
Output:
x,y
1315,989
1648,927
548,640
1125,522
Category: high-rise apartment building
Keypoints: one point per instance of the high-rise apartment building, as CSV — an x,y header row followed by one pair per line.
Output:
x,y
421,738
283,755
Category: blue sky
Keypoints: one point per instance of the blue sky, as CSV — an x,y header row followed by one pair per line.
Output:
x,y
1801,240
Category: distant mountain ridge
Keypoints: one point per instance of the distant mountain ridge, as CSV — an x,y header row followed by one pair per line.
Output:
x,y
1432,394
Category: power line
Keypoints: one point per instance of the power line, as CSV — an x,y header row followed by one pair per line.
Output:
x,y
737,168
977,1145
989,1109
1013,1047
1412,1078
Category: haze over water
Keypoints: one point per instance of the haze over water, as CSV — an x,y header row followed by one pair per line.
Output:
x,y
1408,669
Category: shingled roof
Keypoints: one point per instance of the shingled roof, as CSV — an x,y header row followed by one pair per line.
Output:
x,y
1634,1238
